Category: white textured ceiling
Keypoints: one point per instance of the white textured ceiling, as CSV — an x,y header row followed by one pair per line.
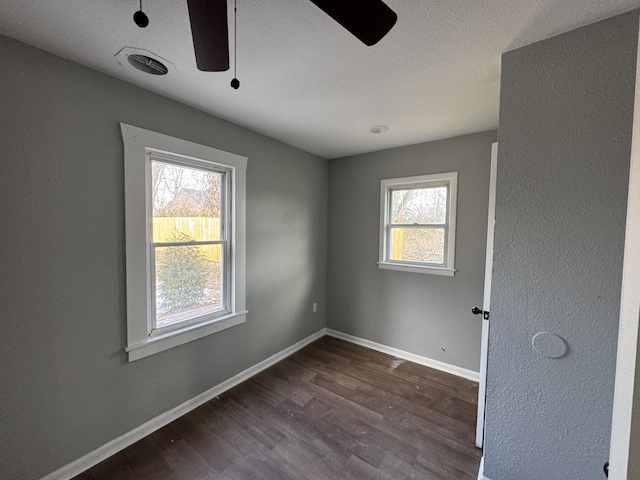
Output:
x,y
304,79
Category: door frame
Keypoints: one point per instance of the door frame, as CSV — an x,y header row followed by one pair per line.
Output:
x,y
625,422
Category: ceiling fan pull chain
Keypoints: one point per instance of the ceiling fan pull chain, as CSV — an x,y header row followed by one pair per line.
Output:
x,y
140,18
235,83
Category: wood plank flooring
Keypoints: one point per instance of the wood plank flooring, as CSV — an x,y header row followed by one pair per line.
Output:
x,y
331,411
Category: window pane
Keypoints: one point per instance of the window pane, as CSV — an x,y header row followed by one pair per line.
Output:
x,y
188,282
418,245
420,205
186,203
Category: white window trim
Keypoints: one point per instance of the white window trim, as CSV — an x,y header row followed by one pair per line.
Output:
x,y
451,179
138,224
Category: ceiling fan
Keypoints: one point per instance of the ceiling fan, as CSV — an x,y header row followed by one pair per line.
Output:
x,y
367,20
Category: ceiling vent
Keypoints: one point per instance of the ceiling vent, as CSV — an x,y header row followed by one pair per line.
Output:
x,y
147,64
145,61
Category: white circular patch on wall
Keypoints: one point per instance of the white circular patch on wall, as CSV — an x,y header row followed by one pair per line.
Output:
x,y
549,345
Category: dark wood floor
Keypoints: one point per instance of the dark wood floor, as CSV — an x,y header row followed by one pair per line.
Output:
x,y
333,410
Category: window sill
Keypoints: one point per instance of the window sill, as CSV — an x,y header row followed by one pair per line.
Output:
x,y
159,343
405,267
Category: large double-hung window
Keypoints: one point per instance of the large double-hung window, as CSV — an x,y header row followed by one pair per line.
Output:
x,y
185,216
189,244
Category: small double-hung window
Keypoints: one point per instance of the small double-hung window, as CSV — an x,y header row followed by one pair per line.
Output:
x,y
418,223
185,240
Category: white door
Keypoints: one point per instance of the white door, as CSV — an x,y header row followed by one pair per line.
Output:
x,y
486,303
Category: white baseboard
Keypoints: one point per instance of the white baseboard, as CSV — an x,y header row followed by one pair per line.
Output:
x,y
114,446
412,357
481,470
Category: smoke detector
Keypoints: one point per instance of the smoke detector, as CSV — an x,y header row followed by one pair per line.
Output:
x,y
145,61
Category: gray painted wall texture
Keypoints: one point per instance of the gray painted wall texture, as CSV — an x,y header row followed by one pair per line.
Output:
x,y
66,385
423,314
563,165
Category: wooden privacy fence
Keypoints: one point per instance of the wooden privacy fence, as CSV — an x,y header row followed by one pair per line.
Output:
x,y
167,229
397,239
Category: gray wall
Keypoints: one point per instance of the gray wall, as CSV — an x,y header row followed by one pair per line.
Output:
x,y
563,164
423,314
66,385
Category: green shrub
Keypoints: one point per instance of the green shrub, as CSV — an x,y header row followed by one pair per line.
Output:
x,y
182,272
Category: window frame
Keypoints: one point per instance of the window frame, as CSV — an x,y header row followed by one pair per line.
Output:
x,y
387,186
140,145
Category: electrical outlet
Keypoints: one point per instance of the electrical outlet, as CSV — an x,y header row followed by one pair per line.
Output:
x,y
315,307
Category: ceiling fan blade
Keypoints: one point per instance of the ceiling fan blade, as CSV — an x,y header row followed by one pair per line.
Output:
x,y
367,20
210,34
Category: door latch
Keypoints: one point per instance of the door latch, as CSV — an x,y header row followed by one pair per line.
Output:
x,y
477,311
